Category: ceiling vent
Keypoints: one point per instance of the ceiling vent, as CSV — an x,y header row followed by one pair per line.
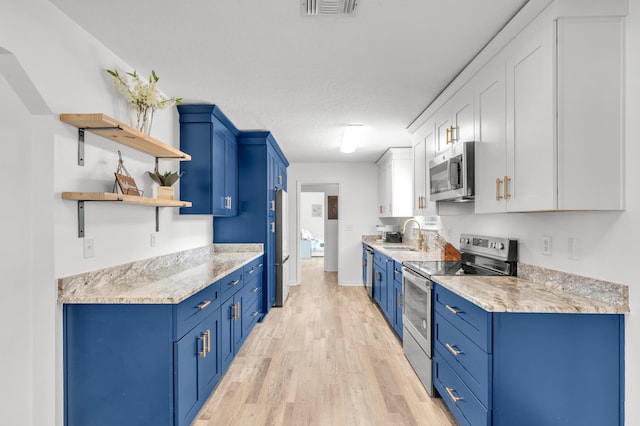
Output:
x,y
329,7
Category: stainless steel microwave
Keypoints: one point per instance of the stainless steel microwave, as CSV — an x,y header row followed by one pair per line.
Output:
x,y
452,175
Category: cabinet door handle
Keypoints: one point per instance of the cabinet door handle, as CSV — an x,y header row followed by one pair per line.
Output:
x,y
452,396
507,179
498,183
255,290
280,179
208,334
203,339
273,227
400,300
273,206
380,209
397,272
204,304
254,314
453,350
452,310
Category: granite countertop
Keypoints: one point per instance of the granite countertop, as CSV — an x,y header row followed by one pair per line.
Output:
x,y
511,294
167,279
436,249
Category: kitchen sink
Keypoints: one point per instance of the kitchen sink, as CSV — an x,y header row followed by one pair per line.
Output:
x,y
398,248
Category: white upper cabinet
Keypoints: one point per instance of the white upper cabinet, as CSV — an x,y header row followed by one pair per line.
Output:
x,y
395,183
454,121
422,153
548,118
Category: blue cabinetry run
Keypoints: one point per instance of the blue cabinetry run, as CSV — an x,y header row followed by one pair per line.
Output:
x,y
527,368
210,180
261,170
387,288
155,364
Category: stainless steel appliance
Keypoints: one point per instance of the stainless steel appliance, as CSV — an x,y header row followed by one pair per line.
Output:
x,y
282,248
480,256
452,176
369,281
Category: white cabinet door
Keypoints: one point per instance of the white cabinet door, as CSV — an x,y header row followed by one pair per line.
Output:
x,y
419,176
590,105
454,121
395,183
384,188
462,115
531,178
490,148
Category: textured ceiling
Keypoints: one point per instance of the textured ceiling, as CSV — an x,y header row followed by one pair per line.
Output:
x,y
300,77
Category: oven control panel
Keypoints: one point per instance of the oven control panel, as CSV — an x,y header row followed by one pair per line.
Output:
x,y
503,248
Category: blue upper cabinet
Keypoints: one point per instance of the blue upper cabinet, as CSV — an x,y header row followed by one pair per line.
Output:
x,y
210,180
262,169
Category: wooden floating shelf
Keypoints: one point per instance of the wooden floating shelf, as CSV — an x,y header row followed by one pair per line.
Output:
x,y
116,131
126,199
82,197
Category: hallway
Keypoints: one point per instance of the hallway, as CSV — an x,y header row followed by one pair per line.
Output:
x,y
327,358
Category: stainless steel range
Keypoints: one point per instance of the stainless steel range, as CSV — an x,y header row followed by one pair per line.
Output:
x,y
480,256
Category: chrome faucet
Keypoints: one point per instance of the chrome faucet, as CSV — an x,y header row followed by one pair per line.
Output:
x,y
420,238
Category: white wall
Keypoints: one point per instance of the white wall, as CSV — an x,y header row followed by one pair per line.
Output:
x,y
607,240
66,67
357,203
315,225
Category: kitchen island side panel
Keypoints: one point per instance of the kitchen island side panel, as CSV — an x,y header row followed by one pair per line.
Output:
x,y
118,356
558,369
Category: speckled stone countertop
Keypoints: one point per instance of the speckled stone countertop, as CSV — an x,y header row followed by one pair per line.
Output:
x,y
437,249
165,279
536,289
510,294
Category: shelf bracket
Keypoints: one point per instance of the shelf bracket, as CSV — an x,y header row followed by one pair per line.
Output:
x,y
80,219
80,147
157,219
81,140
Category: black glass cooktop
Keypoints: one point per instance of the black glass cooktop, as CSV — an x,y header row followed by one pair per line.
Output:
x,y
428,268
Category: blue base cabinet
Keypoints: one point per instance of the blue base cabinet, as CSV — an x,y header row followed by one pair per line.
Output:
x,y
261,170
155,364
387,289
210,179
527,368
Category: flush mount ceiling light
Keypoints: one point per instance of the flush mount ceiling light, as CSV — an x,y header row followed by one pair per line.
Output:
x,y
329,7
351,138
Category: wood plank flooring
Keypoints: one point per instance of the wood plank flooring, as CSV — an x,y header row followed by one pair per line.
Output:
x,y
327,357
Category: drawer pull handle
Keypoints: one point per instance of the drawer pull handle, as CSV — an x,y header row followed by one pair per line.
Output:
x,y
397,272
203,339
204,304
254,314
234,283
260,265
255,290
453,350
452,310
453,397
251,271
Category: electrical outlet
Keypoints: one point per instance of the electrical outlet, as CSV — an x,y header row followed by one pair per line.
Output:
x,y
546,245
88,247
574,249
152,239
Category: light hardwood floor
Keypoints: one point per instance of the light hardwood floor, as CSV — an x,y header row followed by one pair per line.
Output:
x,y
327,357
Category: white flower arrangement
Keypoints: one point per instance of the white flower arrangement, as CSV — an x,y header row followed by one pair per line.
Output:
x,y
144,97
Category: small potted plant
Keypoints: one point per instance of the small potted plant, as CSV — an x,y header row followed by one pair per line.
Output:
x,y
165,180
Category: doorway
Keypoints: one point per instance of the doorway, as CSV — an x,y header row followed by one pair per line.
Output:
x,y
318,224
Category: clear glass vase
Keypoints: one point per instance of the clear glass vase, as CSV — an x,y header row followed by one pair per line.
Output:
x,y
142,118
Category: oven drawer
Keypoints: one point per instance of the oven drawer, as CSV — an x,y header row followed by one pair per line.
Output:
x,y
471,364
458,397
473,321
